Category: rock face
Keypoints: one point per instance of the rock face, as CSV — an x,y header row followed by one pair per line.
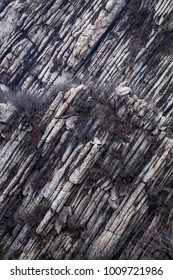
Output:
x,y
86,139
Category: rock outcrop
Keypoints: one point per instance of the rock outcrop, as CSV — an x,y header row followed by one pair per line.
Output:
x,y
86,138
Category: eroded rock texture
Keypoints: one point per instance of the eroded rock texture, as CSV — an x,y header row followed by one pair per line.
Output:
x,y
86,129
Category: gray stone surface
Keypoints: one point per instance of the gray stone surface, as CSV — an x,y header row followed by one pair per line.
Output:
x,y
88,173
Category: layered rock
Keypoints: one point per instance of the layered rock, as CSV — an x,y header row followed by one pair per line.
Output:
x,y
88,174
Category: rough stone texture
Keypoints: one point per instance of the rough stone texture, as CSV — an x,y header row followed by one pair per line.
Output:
x,y
6,112
88,173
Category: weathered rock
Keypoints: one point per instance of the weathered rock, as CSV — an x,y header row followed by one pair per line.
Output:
x,y
7,111
89,173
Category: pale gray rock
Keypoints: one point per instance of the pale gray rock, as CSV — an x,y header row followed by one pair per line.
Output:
x,y
7,111
88,175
